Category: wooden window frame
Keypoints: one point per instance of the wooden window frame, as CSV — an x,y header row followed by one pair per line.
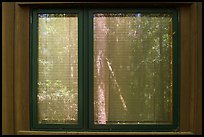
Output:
x,y
15,101
88,54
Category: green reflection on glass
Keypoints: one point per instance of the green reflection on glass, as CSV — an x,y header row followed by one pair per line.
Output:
x,y
132,70
57,68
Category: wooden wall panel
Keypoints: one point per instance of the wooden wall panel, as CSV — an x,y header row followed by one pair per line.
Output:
x,y
21,88
185,68
7,68
191,69
199,82
196,72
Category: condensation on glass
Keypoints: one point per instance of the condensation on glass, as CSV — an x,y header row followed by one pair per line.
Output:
x,y
57,68
132,68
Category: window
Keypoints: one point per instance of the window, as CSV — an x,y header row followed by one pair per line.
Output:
x,y
57,78
104,69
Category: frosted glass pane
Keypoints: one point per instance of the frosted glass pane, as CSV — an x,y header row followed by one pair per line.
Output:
x,y
57,68
132,68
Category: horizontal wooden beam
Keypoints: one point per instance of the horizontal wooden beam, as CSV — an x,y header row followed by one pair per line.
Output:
x,y
102,133
106,3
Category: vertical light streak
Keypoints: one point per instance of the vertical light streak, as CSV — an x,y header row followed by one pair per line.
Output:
x,y
100,29
171,71
101,113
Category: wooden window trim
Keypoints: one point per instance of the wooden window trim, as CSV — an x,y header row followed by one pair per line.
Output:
x,y
18,72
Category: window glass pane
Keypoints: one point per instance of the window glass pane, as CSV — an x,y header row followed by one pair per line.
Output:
x,y
57,68
132,68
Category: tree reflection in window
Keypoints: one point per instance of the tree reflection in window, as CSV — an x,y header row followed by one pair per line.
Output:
x,y
57,68
132,68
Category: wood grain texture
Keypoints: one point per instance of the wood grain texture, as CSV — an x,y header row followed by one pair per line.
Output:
x,y
108,3
185,68
191,69
195,60
102,133
7,68
199,70
21,83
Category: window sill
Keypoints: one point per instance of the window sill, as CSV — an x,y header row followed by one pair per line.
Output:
x,y
101,133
